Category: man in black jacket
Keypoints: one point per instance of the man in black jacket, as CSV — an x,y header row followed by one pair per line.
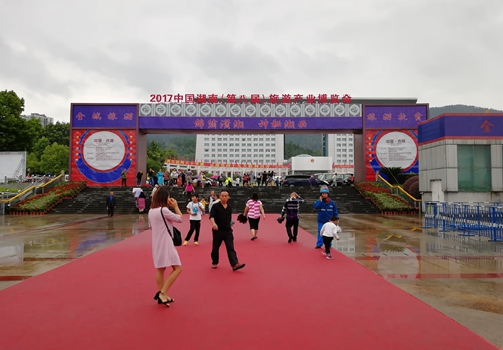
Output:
x,y
221,222
111,204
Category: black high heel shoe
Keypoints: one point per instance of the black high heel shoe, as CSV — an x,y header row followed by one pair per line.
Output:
x,y
159,300
156,296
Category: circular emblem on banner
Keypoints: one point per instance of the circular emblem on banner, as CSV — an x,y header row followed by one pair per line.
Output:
x,y
250,110
145,109
294,110
324,110
310,110
339,109
265,110
104,151
176,109
206,110
235,110
396,149
354,110
220,109
280,110
190,109
160,109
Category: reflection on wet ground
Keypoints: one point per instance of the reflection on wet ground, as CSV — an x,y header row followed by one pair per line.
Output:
x,y
461,276
32,245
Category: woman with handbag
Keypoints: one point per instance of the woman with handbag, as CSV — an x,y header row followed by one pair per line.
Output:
x,y
164,253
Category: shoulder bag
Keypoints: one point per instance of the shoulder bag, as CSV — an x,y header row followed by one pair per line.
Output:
x,y
176,235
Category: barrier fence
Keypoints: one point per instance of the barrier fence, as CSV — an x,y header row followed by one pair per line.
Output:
x,y
469,219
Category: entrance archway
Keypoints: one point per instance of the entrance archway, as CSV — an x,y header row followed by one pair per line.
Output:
x,y
107,138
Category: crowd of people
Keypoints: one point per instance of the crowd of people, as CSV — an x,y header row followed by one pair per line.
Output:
x,y
182,178
165,212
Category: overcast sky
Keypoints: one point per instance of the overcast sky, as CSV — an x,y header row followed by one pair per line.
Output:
x,y
55,52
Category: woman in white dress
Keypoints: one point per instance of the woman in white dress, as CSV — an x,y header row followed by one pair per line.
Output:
x,y
164,252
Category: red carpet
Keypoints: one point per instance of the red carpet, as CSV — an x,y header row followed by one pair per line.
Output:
x,y
287,296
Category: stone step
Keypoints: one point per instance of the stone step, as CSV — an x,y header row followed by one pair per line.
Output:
x,y
92,199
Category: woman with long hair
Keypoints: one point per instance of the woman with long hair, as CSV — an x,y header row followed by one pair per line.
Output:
x,y
164,252
253,210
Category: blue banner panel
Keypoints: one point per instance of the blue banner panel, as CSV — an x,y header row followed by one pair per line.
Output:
x,y
251,123
385,117
104,116
462,126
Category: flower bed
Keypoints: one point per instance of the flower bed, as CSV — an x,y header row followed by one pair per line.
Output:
x,y
383,199
42,203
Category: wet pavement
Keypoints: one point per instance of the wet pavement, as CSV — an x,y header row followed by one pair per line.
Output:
x,y
459,276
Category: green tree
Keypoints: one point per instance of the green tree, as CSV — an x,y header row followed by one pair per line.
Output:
x,y
40,146
55,159
11,105
156,156
59,133
33,163
16,134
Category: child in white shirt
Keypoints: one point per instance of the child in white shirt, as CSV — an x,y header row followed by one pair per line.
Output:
x,y
328,232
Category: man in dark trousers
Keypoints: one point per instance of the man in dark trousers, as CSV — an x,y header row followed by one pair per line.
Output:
x,y
111,203
291,212
221,222
138,177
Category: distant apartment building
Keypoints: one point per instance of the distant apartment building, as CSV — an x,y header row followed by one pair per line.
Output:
x,y
340,147
240,148
44,120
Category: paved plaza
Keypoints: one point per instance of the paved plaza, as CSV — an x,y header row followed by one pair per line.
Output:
x,y
459,276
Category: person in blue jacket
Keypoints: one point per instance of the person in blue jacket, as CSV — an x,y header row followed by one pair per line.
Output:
x,y
326,208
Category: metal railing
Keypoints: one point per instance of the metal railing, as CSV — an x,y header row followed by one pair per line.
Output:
x,y
399,191
36,188
469,219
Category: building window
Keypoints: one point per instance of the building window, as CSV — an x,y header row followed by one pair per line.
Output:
x,y
206,155
212,139
219,150
474,168
206,139
231,144
206,143
206,149
273,145
268,139
261,139
219,139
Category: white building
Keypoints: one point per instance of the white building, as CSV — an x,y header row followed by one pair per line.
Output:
x,y
44,120
240,148
307,164
339,147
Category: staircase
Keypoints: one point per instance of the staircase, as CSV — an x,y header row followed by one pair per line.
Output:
x,y
92,199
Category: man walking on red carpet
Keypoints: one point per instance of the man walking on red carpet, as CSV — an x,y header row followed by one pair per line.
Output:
x,y
221,222
291,212
326,209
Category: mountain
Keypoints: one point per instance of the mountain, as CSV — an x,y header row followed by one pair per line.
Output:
x,y
434,111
